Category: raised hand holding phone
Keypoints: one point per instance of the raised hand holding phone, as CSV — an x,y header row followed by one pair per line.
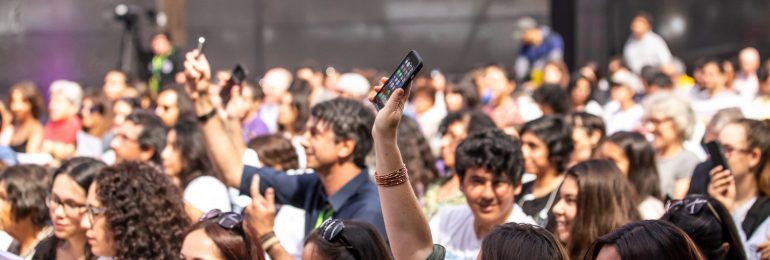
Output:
x,y
400,79
389,116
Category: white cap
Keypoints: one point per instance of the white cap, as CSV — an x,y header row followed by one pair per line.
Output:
x,y
354,85
628,79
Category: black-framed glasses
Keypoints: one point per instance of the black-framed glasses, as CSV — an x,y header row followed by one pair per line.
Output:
x,y
93,212
331,230
693,206
70,207
227,220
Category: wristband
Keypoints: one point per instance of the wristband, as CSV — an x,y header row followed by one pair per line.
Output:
x,y
272,241
205,117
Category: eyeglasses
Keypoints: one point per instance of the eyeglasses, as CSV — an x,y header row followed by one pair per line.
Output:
x,y
693,207
331,230
94,212
657,121
70,207
227,220
729,149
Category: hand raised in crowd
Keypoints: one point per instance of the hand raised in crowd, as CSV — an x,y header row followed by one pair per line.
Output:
x,y
260,214
722,186
387,120
260,219
197,71
407,227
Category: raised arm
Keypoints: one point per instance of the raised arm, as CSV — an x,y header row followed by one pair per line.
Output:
x,y
407,227
222,151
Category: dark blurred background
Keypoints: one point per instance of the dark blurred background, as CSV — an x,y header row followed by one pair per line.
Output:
x,y
80,40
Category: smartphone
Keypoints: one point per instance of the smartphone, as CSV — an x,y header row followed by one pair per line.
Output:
x,y
237,76
717,154
400,78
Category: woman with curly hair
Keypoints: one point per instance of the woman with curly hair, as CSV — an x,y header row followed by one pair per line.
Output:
x,y
134,212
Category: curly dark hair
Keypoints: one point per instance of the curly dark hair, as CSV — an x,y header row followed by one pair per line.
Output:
x,y
349,119
419,161
195,160
498,153
556,133
27,188
144,211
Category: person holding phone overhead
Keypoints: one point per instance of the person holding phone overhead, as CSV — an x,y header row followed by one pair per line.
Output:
x,y
336,146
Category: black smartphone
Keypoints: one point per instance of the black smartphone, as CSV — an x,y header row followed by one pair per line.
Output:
x,y
717,154
237,76
400,78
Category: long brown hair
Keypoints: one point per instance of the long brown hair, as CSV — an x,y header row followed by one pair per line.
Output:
x,y
30,94
605,201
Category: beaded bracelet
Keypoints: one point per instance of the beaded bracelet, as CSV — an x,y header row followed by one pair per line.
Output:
x,y
394,178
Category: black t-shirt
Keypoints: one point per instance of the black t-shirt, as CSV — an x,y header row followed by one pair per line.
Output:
x,y
538,208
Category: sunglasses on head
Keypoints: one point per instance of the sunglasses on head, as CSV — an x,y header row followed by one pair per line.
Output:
x,y
331,230
227,220
693,206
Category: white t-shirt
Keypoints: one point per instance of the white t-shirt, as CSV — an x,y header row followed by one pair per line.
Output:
x,y
650,50
618,120
759,236
206,193
705,105
452,227
290,229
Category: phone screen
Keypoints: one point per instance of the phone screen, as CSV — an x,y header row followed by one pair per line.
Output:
x,y
400,78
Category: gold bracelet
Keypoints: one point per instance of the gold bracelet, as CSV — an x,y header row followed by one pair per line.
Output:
x,y
394,178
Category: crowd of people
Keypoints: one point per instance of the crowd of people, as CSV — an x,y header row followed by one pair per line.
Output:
x,y
529,161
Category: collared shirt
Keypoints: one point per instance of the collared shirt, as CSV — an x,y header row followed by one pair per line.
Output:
x,y
356,200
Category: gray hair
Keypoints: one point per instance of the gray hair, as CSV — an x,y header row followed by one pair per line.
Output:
x,y
675,107
69,89
723,117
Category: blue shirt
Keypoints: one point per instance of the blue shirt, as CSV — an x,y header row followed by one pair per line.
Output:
x,y
356,200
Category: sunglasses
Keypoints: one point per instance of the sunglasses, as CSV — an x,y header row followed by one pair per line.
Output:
x,y
692,206
227,220
331,230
